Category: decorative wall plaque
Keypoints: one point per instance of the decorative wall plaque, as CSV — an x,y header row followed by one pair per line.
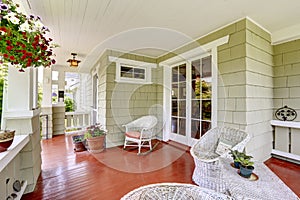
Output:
x,y
286,114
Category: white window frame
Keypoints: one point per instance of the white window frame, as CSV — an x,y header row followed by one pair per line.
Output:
x,y
134,64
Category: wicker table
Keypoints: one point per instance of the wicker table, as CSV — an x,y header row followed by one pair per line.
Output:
x,y
176,191
268,186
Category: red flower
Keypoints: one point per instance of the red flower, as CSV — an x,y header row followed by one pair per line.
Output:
x,y
3,29
11,57
5,55
9,48
53,61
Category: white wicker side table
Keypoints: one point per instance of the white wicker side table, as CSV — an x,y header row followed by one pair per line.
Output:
x,y
174,191
267,187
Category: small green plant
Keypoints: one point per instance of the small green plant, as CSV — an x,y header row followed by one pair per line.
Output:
x,y
246,162
241,157
94,131
78,138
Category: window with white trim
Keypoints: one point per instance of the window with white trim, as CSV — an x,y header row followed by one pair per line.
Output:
x,y
131,71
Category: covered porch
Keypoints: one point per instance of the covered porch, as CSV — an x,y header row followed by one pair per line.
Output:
x,y
238,69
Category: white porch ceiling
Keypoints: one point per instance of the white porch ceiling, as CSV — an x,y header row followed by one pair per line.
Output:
x,y
151,27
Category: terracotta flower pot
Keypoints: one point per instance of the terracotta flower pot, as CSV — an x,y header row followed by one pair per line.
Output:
x,y
96,144
6,139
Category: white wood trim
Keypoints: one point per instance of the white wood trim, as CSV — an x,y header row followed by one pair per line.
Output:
x,y
21,114
286,155
167,103
196,51
132,62
7,156
287,124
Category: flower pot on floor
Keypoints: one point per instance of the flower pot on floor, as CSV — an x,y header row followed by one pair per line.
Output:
x,y
78,142
96,144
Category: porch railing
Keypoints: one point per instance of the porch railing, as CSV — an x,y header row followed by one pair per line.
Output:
x,y
75,120
286,137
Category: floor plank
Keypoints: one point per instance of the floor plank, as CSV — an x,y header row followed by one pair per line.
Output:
x,y
108,175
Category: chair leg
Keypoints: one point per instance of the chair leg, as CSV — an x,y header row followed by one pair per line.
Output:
x,y
150,145
124,147
140,146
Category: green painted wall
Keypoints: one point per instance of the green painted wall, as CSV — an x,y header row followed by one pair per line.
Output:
x,y
120,103
287,76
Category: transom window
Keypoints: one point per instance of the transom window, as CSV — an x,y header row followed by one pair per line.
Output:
x,y
132,71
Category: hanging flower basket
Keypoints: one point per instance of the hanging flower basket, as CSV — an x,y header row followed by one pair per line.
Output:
x,y
22,39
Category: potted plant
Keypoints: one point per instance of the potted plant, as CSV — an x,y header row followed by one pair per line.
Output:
x,y
78,141
95,137
246,165
236,155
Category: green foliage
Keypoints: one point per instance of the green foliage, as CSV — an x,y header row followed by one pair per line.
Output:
x,y
40,95
1,96
69,103
23,42
94,131
242,158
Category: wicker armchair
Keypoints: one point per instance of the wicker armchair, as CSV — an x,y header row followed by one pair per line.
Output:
x,y
139,132
208,172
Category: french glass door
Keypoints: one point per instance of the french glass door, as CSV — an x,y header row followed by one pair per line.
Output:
x,y
191,100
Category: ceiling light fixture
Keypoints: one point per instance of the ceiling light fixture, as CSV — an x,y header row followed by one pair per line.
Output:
x,y
73,62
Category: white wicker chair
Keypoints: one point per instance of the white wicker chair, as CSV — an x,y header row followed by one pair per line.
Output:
x,y
139,132
208,172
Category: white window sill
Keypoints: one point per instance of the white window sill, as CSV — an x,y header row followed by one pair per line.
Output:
x,y
287,124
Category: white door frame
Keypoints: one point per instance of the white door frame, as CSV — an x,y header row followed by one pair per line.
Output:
x,y
187,57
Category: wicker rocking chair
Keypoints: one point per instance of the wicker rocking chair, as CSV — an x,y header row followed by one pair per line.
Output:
x,y
208,172
139,132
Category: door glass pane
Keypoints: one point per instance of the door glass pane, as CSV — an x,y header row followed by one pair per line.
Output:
x,y
175,74
182,108
174,125
201,110
196,109
179,99
206,67
182,72
205,126
206,110
175,94
195,129
182,124
206,89
174,108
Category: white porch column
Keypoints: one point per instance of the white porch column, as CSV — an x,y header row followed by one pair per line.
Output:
x,y
47,130
61,85
19,90
20,114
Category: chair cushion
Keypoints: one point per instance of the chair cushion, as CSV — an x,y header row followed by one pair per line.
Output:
x,y
133,134
223,146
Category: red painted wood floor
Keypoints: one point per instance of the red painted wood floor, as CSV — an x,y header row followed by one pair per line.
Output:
x,y
114,172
